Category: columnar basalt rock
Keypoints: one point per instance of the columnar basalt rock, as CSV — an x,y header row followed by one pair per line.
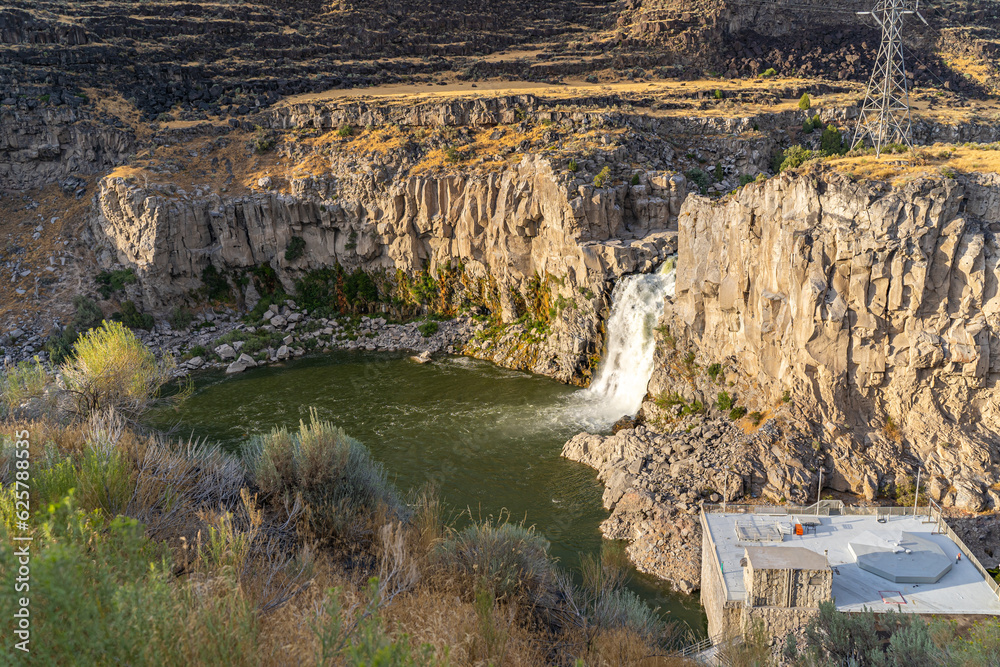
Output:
x,y
877,308
504,228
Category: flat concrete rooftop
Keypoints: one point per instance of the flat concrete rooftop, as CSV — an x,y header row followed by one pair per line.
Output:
x,y
963,590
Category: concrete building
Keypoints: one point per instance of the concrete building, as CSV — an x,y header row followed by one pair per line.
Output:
x,y
775,565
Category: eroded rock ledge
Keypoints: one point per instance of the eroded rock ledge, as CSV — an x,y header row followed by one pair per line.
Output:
x,y
854,328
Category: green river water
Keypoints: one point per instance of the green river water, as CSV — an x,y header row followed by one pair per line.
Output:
x,y
488,438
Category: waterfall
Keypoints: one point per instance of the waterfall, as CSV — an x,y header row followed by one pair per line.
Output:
x,y
636,305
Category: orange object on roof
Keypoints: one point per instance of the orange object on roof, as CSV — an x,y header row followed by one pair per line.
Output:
x,y
798,529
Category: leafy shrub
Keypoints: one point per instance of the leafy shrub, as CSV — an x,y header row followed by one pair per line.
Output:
x,y
359,288
262,142
111,368
719,173
428,328
832,143
345,131
635,179
335,289
215,287
103,593
737,413
791,158
180,318
505,558
295,249
109,282
768,73
724,400
602,177
756,418
804,102
717,94
786,396
699,178
21,382
59,344
336,476
88,314
573,166
714,371
452,155
130,316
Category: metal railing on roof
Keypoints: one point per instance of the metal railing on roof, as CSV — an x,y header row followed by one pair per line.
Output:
x,y
822,508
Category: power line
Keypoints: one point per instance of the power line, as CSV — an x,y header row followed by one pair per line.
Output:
x,y
885,113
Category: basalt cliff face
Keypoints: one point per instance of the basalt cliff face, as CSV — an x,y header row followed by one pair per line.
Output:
x,y
875,308
528,237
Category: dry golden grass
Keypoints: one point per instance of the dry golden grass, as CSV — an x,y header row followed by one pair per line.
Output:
x,y
925,161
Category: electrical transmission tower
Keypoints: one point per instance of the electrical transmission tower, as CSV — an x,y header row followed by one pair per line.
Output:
x,y
885,114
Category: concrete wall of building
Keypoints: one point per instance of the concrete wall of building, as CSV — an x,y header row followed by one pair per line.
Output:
x,y
787,588
777,621
723,615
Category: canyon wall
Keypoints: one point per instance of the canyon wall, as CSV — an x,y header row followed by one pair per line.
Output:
x,y
875,308
41,143
505,228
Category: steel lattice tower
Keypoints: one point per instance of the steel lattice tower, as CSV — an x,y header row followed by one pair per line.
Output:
x,y
885,114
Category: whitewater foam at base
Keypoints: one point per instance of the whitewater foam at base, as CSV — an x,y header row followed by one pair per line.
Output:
x,y
636,305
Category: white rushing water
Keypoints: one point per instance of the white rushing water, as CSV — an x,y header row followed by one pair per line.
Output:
x,y
636,305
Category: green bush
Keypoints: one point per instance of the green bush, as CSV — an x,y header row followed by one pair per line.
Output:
x,y
59,344
109,282
359,288
215,287
428,328
804,102
110,367
452,155
699,178
180,318
507,559
832,143
88,314
345,131
573,166
130,316
103,593
334,474
21,382
768,73
791,158
295,249
737,413
717,94
635,179
602,177
746,179
719,174
714,371
724,400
